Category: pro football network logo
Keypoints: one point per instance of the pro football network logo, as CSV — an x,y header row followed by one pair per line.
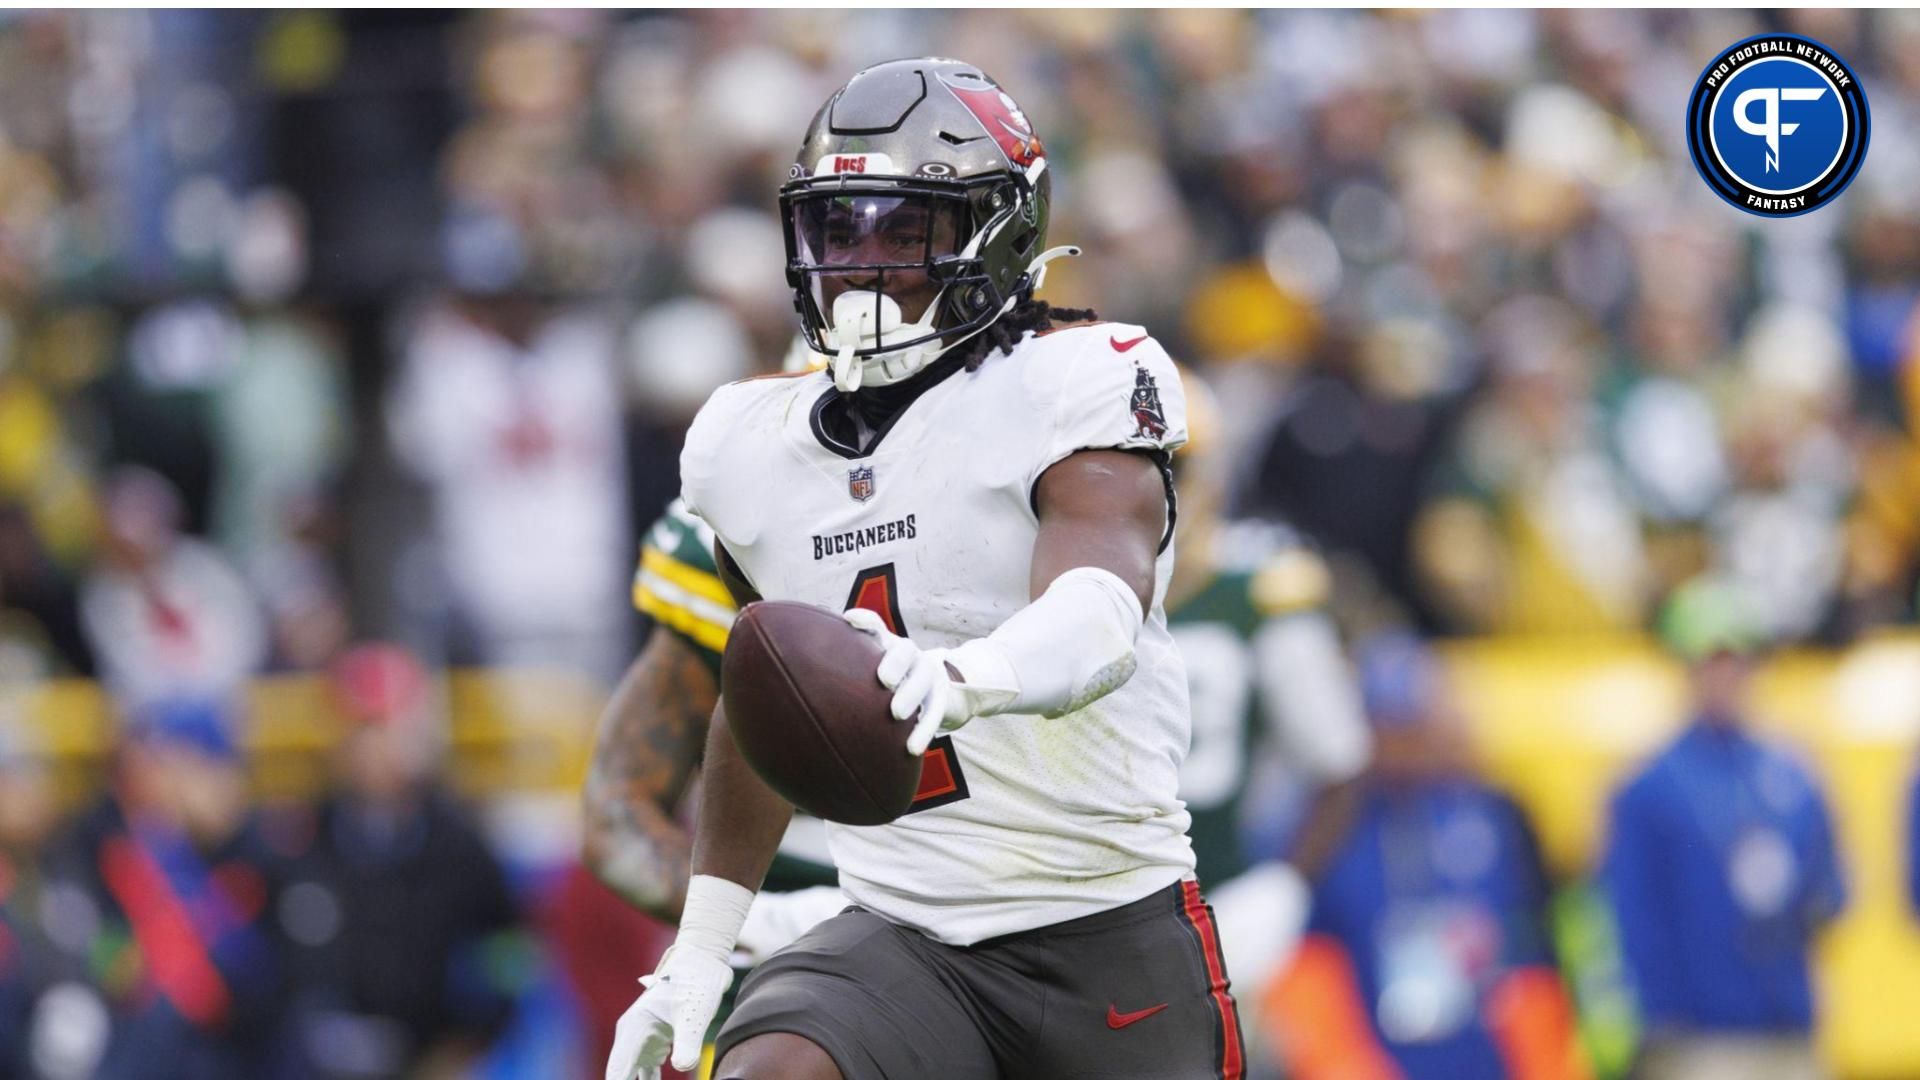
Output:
x,y
1778,125
860,483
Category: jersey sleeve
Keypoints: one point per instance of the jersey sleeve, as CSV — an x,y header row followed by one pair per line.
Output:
x,y
723,461
1309,697
1306,687
677,585
1119,391
701,453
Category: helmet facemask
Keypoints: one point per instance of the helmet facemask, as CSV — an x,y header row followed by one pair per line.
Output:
x,y
888,272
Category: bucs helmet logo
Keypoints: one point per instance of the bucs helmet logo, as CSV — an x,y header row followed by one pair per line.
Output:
x,y
1148,418
1005,122
860,483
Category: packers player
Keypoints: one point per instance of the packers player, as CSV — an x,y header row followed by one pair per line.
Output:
x,y
1265,677
649,743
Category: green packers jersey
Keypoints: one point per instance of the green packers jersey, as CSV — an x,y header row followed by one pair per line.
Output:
x,y
1216,630
679,587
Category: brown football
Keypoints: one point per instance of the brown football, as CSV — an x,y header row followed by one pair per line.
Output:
x,y
811,717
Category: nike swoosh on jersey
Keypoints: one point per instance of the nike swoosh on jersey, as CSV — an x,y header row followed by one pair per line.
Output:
x,y
1117,1019
1123,346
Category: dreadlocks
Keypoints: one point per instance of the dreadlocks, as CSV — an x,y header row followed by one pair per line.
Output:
x,y
1005,332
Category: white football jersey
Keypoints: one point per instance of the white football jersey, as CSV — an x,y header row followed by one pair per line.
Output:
x,y
1021,821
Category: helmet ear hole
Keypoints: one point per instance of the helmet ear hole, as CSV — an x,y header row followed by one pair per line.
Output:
x,y
946,268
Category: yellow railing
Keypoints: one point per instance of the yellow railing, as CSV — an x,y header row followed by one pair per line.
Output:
x,y
528,730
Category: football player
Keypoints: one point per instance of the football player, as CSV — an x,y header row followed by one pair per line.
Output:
x,y
1268,683
984,481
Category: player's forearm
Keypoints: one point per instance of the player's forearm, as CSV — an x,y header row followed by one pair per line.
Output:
x,y
741,819
1102,515
1066,650
640,854
644,755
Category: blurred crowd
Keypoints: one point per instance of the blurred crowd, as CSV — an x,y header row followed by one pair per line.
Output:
x,y
313,322
319,327
173,926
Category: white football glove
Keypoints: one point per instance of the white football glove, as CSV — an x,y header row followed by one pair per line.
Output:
x,y
922,685
679,1000
671,1015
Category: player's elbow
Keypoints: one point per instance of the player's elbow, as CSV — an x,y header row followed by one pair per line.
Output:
x,y
627,861
1098,682
594,844
597,843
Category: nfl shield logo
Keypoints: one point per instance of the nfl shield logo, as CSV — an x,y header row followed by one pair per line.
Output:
x,y
860,483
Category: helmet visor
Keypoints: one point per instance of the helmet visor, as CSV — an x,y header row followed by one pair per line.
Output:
x,y
886,242
847,232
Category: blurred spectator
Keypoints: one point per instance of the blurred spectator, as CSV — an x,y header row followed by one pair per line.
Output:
x,y
1883,294
410,956
1666,400
40,630
1427,952
1913,843
1777,536
1721,869
162,904
677,353
1342,428
26,954
508,410
1532,530
280,419
1883,528
164,613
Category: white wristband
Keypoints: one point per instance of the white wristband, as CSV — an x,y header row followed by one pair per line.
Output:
x,y
715,910
1070,647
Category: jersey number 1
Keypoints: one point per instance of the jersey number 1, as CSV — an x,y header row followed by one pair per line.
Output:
x,y
877,589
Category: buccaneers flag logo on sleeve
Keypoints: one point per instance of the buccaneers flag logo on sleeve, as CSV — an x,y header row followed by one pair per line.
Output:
x,y
1147,415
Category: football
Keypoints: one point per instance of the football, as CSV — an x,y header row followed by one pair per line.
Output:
x,y
810,716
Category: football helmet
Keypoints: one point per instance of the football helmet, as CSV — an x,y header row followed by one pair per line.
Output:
x,y
915,215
